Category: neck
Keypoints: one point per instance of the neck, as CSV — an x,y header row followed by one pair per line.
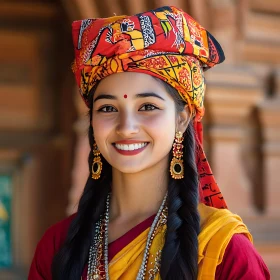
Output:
x,y
138,194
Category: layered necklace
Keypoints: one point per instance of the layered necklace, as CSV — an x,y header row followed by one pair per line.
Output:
x,y
98,264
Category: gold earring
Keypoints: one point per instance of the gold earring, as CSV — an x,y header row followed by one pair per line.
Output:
x,y
176,165
97,163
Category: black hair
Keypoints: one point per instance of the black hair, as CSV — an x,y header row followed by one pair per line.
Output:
x,y
179,258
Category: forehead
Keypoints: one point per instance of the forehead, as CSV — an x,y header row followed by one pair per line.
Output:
x,y
130,83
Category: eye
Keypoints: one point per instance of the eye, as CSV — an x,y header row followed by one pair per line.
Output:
x,y
148,107
107,109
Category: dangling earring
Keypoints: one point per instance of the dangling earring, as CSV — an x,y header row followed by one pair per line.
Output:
x,y
97,163
176,165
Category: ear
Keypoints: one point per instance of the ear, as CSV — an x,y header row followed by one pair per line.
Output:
x,y
183,119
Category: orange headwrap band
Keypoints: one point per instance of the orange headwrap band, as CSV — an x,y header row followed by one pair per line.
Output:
x,y
166,43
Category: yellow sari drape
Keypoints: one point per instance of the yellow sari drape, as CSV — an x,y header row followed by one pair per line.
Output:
x,y
217,228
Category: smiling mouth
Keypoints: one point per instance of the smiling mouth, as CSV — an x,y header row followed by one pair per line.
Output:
x,y
130,147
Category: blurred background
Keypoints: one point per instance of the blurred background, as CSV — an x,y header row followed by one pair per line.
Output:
x,y
43,122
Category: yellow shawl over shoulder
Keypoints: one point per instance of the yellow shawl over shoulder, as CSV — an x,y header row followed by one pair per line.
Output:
x,y
217,228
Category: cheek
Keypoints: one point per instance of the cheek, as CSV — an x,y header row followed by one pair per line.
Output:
x,y
163,122
162,130
101,130
101,122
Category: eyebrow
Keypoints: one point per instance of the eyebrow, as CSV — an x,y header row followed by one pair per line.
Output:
x,y
138,95
105,96
149,94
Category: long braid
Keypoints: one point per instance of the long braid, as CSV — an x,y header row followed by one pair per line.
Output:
x,y
180,252
70,261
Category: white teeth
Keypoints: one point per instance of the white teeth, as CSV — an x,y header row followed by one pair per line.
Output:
x,y
130,147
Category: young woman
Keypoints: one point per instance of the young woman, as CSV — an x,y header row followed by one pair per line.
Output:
x,y
151,208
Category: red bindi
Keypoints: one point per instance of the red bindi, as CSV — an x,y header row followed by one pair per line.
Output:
x,y
125,96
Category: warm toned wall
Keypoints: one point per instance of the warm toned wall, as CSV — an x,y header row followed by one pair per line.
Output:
x,y
41,113
36,119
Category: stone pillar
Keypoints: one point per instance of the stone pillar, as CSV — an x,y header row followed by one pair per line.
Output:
x,y
269,111
231,95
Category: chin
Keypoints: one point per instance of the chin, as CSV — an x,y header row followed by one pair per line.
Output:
x,y
129,170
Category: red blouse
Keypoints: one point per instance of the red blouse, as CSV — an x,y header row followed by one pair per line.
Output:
x,y
241,260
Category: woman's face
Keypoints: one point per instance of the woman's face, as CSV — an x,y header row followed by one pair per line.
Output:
x,y
134,121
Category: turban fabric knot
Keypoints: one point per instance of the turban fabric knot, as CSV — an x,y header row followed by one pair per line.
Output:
x,y
166,43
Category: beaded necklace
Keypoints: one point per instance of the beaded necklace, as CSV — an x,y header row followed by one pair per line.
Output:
x,y
100,244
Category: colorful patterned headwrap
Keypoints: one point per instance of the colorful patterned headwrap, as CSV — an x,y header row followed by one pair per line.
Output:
x,y
166,43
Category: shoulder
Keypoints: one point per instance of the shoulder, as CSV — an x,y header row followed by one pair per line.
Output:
x,y
217,226
225,238
242,261
56,234
47,247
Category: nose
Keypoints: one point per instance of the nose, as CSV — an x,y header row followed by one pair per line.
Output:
x,y
127,125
